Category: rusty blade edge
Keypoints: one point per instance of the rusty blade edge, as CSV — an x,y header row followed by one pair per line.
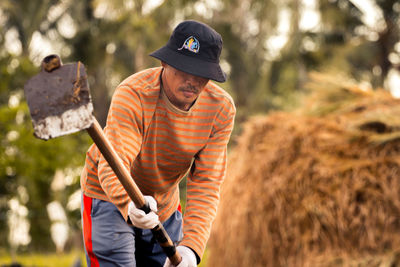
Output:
x,y
71,121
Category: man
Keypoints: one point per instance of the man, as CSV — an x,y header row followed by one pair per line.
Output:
x,y
164,123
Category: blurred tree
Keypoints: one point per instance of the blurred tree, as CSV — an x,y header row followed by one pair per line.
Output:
x,y
27,165
288,71
348,43
113,39
344,41
26,17
388,38
246,26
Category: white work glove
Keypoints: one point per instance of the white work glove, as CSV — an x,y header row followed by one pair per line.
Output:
x,y
142,220
188,258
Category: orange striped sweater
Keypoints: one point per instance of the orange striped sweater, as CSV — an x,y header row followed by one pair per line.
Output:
x,y
159,144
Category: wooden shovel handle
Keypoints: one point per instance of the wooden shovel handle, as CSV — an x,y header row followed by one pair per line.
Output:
x,y
131,188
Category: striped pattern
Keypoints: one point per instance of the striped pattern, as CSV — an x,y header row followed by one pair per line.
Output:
x,y
159,144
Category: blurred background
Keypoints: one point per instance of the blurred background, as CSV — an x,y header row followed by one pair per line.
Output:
x,y
270,49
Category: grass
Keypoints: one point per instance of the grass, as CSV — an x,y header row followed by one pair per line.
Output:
x,y
203,262
54,259
45,260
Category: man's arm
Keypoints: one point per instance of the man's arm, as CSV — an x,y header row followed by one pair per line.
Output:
x,y
204,181
124,131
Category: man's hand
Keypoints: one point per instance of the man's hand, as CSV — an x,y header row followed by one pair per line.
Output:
x,y
188,258
142,220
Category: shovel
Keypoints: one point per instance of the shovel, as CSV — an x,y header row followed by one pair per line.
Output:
x,y
59,102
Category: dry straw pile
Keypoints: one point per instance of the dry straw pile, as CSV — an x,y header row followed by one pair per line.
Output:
x,y
318,187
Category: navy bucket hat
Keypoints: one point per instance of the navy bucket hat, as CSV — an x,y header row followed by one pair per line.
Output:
x,y
194,48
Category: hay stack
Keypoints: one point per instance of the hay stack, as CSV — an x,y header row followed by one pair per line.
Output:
x,y
319,187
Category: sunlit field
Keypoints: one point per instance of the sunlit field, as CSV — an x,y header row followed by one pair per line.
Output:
x,y
72,259
46,260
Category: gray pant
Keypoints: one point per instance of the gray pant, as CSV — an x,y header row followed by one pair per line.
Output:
x,y
110,241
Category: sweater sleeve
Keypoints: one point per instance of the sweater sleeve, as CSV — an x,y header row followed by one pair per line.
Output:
x,y
204,181
124,131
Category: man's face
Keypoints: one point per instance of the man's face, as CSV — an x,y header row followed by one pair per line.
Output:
x,y
182,88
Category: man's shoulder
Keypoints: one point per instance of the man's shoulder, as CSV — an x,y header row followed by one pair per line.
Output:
x,y
145,81
216,94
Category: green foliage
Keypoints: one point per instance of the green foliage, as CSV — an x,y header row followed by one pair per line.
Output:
x,y
31,163
46,260
27,163
59,260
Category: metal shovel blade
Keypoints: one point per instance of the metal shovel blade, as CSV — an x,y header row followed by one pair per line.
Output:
x,y
59,99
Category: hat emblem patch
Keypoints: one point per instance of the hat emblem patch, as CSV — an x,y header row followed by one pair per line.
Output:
x,y
191,44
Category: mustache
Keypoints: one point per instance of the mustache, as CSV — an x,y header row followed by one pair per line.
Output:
x,y
189,87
